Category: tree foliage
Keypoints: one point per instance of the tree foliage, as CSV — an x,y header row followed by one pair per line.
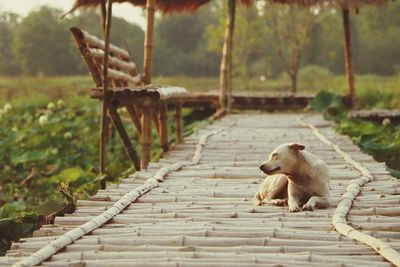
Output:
x,y
190,44
8,24
180,47
41,44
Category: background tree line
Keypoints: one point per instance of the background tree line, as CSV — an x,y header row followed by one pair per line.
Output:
x,y
189,44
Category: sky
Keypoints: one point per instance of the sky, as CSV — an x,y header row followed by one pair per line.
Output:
x,y
23,7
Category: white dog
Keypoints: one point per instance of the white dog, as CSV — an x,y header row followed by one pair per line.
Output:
x,y
296,177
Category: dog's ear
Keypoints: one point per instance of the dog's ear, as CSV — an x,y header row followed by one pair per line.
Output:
x,y
296,147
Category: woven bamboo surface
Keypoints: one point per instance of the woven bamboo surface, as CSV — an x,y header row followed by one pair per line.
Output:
x,y
202,213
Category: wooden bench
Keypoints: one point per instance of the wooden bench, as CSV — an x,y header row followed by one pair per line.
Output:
x,y
144,103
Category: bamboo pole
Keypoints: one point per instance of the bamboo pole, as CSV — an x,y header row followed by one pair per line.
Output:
x,y
225,83
348,57
130,149
103,8
135,118
148,41
104,119
179,123
163,123
145,138
156,121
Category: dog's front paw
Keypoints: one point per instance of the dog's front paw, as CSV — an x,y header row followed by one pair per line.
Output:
x,y
257,202
308,206
294,208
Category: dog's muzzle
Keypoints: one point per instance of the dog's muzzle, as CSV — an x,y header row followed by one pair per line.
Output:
x,y
267,171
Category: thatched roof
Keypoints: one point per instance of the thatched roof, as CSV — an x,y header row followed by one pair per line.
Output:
x,y
165,6
351,4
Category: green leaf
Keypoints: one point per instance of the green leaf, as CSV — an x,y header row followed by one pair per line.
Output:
x,y
71,174
329,103
28,156
394,172
50,206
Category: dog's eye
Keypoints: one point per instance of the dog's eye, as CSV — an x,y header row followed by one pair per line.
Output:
x,y
275,156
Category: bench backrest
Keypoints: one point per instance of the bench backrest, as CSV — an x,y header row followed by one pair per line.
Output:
x,y
122,70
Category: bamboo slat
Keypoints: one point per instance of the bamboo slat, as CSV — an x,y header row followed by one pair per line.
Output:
x,y
93,41
129,67
153,92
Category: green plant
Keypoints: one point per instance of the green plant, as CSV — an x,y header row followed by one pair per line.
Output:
x,y
381,141
49,158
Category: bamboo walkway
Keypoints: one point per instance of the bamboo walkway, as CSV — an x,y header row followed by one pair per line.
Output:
x,y
194,207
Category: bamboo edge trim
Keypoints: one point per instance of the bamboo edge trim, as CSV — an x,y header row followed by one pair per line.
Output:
x,y
353,189
78,232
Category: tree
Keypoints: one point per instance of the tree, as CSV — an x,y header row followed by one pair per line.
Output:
x,y
291,27
8,24
42,44
378,36
249,41
180,47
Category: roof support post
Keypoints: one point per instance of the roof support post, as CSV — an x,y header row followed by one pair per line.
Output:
x,y
103,8
148,41
225,83
104,118
348,57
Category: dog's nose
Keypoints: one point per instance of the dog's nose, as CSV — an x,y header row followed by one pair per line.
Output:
x,y
261,167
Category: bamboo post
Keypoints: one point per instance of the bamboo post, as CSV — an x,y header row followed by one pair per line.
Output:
x,y
225,83
104,121
148,41
130,149
163,123
156,121
135,118
103,17
145,138
348,56
179,123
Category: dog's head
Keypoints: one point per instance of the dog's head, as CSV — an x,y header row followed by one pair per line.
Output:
x,y
283,159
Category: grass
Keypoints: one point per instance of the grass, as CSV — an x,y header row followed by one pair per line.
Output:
x,y
373,91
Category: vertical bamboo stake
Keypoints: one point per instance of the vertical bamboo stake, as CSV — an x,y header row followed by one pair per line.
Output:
x,y
103,17
135,118
156,121
348,56
163,123
104,123
130,149
145,138
179,123
148,41
225,83
110,127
